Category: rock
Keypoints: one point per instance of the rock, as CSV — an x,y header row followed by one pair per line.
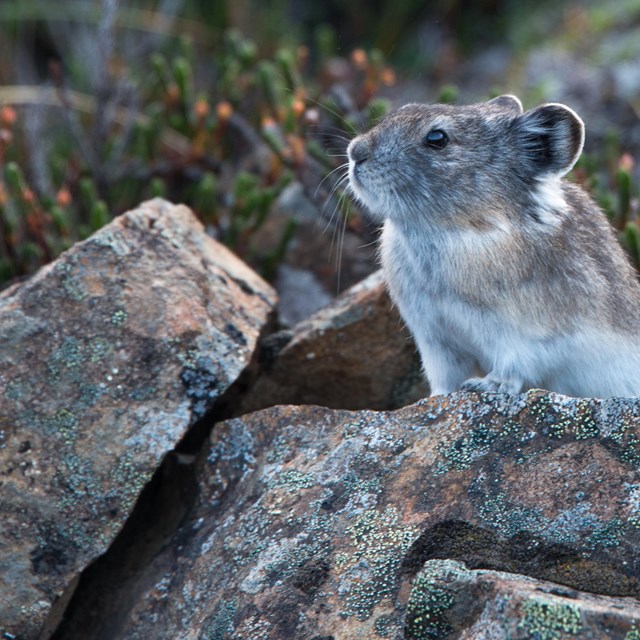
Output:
x,y
311,523
449,601
109,355
355,353
300,294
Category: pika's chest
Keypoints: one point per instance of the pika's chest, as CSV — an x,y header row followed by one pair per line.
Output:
x,y
427,270
438,300
471,285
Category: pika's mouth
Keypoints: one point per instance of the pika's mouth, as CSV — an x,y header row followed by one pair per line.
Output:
x,y
362,192
354,175
356,183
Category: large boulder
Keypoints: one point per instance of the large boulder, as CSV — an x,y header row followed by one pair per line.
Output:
x,y
311,523
107,357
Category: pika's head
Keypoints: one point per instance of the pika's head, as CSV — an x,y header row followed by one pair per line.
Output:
x,y
466,165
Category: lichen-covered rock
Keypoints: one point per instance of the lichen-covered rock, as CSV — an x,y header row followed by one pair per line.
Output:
x,y
313,523
107,356
353,354
449,601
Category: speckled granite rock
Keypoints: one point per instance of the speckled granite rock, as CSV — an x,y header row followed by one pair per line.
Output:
x,y
449,601
312,523
107,356
353,354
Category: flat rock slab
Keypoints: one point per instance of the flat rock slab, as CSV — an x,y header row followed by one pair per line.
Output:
x,y
312,524
355,353
450,601
107,357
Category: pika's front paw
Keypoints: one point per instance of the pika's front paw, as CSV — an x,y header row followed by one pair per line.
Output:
x,y
491,384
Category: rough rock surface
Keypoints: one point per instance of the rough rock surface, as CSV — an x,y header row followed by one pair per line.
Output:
x,y
449,601
355,353
311,523
107,357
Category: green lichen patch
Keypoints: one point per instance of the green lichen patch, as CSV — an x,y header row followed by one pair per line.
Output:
x,y
380,542
508,518
71,278
361,486
354,428
219,625
461,453
567,526
625,441
632,634
254,628
119,317
550,621
281,449
386,625
557,417
64,424
69,360
293,480
430,602
516,428
250,536
426,619
607,535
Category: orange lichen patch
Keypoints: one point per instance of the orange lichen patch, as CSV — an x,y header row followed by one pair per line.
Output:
x,y
180,320
94,285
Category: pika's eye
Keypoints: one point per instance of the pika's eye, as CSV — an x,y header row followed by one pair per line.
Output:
x,y
436,139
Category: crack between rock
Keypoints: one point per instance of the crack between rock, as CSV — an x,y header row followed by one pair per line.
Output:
x,y
98,601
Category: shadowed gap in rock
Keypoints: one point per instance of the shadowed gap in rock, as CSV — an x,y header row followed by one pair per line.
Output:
x,y
524,553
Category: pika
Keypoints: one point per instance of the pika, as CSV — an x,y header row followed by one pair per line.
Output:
x,y
508,276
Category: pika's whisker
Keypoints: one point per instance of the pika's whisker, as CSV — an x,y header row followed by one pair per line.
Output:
x,y
342,167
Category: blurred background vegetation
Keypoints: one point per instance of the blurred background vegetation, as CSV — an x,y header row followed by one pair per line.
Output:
x,y
235,107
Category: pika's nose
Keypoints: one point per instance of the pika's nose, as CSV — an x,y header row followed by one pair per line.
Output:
x,y
358,150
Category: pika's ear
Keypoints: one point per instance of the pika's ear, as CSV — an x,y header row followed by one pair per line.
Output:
x,y
550,138
508,103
